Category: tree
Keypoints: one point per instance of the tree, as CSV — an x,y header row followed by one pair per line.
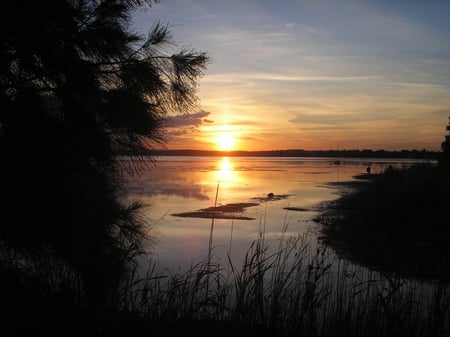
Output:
x,y
78,87
445,146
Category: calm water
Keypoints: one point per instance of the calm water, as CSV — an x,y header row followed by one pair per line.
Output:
x,y
186,184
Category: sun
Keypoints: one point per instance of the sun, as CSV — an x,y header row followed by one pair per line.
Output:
x,y
225,141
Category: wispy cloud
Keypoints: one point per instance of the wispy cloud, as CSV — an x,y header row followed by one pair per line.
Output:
x,y
250,77
292,73
187,120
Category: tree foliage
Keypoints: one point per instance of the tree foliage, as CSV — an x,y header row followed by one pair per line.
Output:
x,y
445,159
78,87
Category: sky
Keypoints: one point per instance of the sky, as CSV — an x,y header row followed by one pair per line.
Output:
x,y
312,74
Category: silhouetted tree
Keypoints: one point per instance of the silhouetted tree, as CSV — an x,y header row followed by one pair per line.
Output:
x,y
445,146
78,87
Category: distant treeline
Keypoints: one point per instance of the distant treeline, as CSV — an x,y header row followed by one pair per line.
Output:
x,y
412,154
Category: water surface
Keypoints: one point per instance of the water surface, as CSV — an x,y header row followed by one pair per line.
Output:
x,y
185,184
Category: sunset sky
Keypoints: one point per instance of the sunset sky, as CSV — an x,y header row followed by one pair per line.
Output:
x,y
313,74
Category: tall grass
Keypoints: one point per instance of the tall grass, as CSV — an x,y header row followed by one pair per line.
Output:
x,y
399,221
296,290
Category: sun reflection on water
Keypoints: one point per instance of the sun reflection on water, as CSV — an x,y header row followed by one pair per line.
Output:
x,y
226,173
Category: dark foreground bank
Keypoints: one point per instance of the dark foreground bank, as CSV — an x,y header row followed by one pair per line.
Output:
x,y
397,222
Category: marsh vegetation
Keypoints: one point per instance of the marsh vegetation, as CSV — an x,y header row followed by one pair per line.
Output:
x,y
398,222
299,290
293,287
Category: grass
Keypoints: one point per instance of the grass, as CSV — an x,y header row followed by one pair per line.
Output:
x,y
399,223
299,290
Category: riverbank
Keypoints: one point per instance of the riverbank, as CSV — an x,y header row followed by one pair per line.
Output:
x,y
397,222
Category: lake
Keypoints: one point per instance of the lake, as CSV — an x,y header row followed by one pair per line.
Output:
x,y
285,193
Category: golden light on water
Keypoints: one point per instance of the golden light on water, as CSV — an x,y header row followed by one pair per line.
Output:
x,y
226,170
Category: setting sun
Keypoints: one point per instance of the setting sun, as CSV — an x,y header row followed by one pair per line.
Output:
x,y
225,141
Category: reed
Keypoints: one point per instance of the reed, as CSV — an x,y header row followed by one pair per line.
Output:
x,y
399,221
297,290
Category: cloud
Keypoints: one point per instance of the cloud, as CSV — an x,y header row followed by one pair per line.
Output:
x,y
187,120
250,78
335,119
311,72
442,112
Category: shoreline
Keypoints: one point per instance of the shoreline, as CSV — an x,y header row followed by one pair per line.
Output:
x,y
329,153
395,222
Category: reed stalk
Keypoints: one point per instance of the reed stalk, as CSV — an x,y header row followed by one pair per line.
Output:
x,y
297,290
210,246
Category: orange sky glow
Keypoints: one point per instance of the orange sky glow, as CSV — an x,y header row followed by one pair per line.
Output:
x,y
313,75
